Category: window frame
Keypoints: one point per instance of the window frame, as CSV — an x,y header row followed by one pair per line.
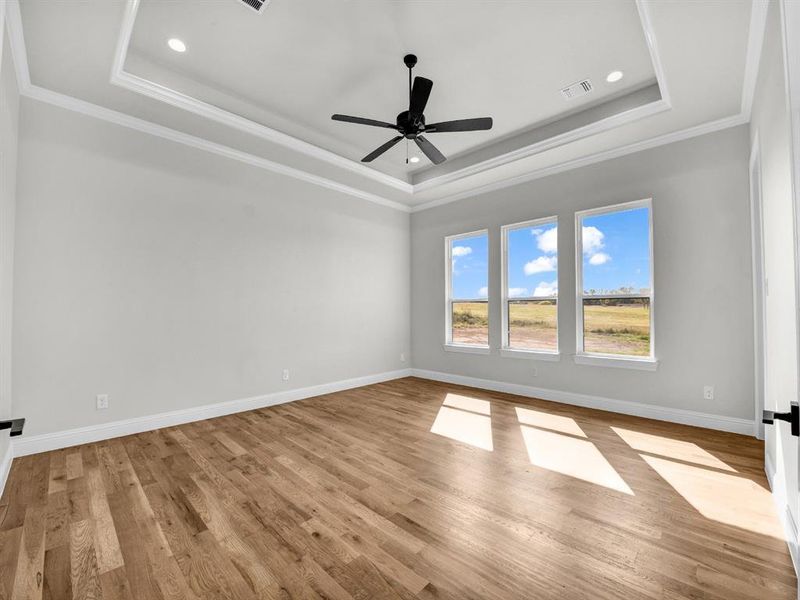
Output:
x,y
601,359
505,348
449,345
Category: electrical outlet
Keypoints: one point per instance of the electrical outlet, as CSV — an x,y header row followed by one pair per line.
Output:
x,y
708,392
534,371
102,401
402,357
285,375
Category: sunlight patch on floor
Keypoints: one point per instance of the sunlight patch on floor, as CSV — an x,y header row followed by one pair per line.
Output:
x,y
526,416
466,403
724,498
572,457
465,420
670,448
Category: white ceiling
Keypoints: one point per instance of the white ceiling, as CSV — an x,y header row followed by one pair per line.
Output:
x,y
299,61
287,70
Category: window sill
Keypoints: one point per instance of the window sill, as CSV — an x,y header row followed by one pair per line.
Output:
x,y
596,360
467,349
530,354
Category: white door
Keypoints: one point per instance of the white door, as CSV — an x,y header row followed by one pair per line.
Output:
x,y
775,179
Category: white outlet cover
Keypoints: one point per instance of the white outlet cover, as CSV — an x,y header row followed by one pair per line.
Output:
x,y
285,375
102,401
708,392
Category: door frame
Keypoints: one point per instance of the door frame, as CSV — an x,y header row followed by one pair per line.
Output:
x,y
759,285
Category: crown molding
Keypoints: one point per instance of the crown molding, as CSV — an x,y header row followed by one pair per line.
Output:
x,y
606,124
755,42
669,138
35,92
118,118
643,8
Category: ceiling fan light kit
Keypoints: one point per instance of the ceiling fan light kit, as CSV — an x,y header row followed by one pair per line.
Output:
x,y
410,124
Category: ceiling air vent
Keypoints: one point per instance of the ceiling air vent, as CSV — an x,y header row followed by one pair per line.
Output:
x,y
576,90
256,5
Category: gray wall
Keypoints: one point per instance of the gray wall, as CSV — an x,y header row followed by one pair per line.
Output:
x,y
9,105
703,312
169,278
770,124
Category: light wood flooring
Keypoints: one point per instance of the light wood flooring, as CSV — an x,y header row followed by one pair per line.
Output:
x,y
406,489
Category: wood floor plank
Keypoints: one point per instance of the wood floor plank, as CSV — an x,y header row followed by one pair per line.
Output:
x,y
57,577
354,495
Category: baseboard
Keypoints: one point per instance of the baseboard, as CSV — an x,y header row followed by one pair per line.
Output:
x,y
72,437
660,413
778,487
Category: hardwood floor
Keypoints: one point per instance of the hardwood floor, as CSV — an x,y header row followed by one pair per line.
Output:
x,y
352,495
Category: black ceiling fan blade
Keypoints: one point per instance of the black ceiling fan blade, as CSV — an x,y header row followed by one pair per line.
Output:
x,y
431,151
419,95
378,151
363,121
480,124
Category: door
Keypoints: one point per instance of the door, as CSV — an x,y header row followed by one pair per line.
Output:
x,y
774,178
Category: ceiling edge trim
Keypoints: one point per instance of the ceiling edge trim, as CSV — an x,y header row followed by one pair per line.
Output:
x,y
27,89
605,124
669,138
145,87
755,42
652,46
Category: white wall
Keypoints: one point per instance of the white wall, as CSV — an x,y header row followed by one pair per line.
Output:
x,y
170,278
703,311
9,105
770,125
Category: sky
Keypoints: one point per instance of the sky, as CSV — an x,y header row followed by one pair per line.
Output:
x,y
616,251
470,267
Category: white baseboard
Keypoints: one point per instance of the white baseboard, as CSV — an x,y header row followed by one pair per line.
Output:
x,y
23,446
660,413
778,486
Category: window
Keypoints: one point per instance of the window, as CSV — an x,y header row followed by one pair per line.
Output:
x,y
530,286
468,289
615,281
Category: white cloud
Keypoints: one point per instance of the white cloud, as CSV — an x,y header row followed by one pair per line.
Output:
x,y
546,288
592,240
543,264
483,292
517,292
600,258
547,241
461,250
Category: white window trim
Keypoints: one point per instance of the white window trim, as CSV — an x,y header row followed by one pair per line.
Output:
x,y
448,300
649,363
467,348
505,349
530,354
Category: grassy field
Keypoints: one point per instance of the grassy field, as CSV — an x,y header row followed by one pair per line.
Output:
x,y
621,329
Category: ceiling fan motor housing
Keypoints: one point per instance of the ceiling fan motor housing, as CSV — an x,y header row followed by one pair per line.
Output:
x,y
410,125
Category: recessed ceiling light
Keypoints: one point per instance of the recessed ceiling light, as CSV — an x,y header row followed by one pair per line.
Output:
x,y
176,45
614,76
414,159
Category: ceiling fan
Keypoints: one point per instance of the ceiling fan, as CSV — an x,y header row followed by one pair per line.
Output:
x,y
410,123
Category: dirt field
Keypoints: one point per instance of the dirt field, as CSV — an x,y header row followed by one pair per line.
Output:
x,y
608,329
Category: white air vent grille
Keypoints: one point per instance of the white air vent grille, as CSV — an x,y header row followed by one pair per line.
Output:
x,y
581,88
256,5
